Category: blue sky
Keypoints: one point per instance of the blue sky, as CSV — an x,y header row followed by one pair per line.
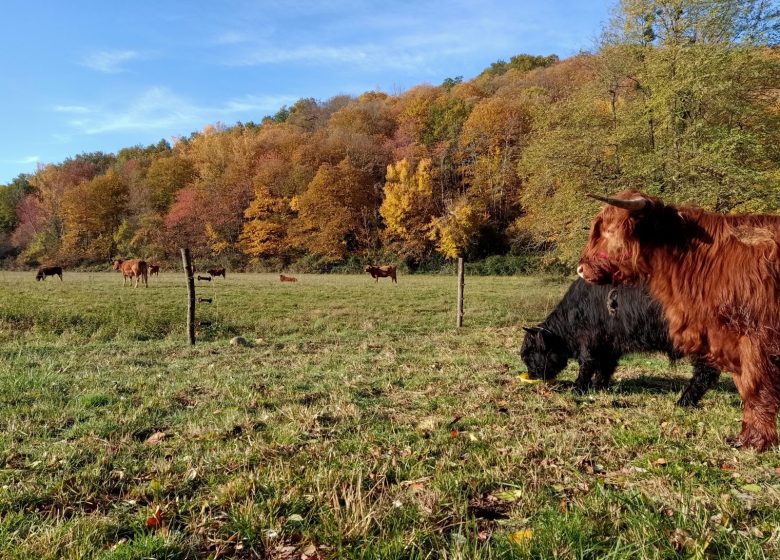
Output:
x,y
83,76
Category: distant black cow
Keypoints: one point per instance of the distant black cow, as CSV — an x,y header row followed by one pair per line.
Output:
x,y
45,271
596,326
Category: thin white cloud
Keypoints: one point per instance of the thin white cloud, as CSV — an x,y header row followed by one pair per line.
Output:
x,y
28,160
76,109
160,109
411,48
230,38
109,62
359,55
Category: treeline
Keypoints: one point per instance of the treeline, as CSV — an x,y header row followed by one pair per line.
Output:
x,y
681,100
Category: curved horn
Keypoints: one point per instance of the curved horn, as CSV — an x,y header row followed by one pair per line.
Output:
x,y
531,330
631,205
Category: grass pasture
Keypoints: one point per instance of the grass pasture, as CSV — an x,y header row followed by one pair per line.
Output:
x,y
358,424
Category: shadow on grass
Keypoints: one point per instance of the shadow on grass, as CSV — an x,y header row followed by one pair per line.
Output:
x,y
650,384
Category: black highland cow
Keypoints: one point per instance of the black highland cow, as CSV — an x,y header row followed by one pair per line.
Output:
x,y
596,325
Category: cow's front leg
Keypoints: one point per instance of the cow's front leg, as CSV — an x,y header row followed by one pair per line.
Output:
x,y
760,401
604,372
583,382
704,377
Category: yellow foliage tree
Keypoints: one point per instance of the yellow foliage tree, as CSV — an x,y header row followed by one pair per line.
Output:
x,y
492,138
456,232
216,243
264,234
408,207
92,213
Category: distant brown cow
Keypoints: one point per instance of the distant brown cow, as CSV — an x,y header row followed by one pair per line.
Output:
x,y
283,278
134,268
45,271
378,272
216,272
154,269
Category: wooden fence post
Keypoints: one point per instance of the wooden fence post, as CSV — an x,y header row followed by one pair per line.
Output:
x,y
459,317
187,261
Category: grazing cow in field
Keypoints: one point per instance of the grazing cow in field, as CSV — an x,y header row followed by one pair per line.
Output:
x,y
216,272
283,278
378,272
584,327
45,271
717,279
154,269
134,268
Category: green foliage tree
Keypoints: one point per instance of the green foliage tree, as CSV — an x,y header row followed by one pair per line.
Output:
x,y
166,176
10,197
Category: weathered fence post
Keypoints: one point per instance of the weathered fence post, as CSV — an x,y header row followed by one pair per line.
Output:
x,y
187,261
459,321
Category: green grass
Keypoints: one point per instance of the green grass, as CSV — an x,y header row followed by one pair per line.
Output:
x,y
358,424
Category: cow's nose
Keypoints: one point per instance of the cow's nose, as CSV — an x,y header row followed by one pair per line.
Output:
x,y
580,272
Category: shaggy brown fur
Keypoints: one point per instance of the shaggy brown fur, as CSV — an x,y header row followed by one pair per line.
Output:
x,y
216,272
284,278
718,281
134,268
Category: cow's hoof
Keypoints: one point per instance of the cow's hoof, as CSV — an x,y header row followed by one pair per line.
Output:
x,y
688,402
756,440
581,388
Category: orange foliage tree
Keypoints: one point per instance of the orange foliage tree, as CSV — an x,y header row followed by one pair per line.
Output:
x,y
336,213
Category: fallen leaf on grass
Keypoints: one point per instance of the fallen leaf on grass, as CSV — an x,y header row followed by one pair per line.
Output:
x,y
660,462
522,536
509,495
681,540
155,520
721,519
156,438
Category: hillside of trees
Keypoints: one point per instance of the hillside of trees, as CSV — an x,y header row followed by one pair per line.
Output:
x,y
681,99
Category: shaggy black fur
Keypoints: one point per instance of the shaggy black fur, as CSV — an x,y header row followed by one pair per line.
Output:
x,y
596,325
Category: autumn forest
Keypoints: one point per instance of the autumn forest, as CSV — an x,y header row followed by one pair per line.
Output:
x,y
680,99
